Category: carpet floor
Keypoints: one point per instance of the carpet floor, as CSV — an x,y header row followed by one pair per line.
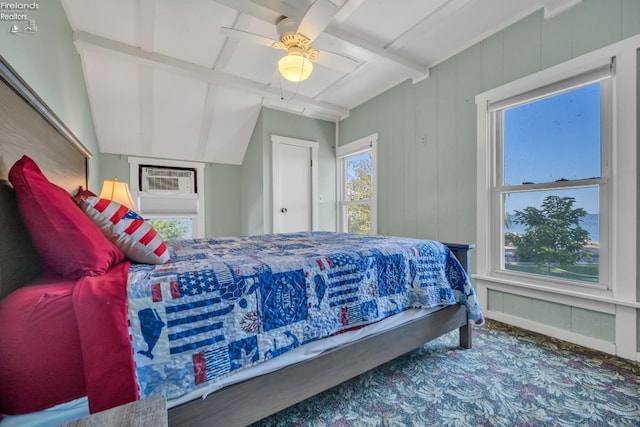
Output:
x,y
511,377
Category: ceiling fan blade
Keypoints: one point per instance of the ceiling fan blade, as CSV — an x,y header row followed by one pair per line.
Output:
x,y
317,18
248,37
336,61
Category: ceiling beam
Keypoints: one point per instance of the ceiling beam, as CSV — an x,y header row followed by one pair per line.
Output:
x,y
212,90
84,40
257,11
207,120
347,8
357,46
231,44
146,33
371,52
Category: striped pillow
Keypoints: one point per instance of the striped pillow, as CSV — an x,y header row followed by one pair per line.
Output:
x,y
134,236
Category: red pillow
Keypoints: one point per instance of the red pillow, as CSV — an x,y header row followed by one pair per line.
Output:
x,y
69,243
40,356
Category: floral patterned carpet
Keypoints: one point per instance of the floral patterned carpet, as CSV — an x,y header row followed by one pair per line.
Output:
x,y
511,377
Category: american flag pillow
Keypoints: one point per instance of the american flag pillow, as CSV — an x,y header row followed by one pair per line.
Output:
x,y
134,236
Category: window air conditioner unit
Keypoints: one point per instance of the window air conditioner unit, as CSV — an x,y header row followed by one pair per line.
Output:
x,y
167,180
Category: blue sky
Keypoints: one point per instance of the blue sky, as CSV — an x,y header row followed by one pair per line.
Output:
x,y
551,139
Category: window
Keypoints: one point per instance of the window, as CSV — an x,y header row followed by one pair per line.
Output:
x,y
357,186
552,148
170,195
599,175
172,228
549,199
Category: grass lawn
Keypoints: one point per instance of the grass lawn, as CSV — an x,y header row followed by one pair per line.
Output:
x,y
584,273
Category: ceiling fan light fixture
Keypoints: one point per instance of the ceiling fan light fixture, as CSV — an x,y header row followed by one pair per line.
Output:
x,y
295,67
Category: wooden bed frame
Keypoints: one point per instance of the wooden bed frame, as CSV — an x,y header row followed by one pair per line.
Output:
x,y
28,126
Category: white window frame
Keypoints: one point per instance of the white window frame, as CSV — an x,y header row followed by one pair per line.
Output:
x,y
605,76
620,297
369,143
171,205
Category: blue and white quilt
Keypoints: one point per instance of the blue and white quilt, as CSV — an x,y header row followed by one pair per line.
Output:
x,y
223,305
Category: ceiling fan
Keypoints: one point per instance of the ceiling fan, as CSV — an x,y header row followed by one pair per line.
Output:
x,y
296,36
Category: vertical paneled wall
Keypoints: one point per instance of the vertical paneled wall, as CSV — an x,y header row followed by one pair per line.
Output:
x,y
252,190
256,172
427,131
426,151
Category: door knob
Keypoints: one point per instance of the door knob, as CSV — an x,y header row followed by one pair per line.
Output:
x,y
283,210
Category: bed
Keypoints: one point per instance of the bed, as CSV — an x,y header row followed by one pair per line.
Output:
x,y
294,276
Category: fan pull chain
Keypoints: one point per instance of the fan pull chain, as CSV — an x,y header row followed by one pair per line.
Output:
x,y
282,98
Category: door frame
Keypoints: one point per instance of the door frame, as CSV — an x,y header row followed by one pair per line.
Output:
x,y
276,142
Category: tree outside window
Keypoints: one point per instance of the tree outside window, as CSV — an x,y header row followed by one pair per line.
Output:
x,y
359,190
172,228
357,181
553,239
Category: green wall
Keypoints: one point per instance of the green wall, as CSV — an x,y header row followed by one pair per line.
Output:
x,y
48,61
256,168
222,198
252,209
426,151
427,161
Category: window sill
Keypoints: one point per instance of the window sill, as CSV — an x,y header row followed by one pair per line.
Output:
x,y
602,297
168,194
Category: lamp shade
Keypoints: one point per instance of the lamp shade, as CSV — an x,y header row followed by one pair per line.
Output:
x,y
117,191
295,67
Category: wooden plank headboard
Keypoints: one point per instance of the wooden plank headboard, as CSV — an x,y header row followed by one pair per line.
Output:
x,y
29,127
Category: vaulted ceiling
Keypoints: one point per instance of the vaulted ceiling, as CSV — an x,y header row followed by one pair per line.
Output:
x,y
186,79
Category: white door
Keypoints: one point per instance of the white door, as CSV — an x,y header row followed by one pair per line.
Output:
x,y
294,184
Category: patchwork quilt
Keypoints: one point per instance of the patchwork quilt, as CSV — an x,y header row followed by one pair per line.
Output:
x,y
224,305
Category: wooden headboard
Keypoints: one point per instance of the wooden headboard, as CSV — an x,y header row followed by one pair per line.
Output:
x,y
29,127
